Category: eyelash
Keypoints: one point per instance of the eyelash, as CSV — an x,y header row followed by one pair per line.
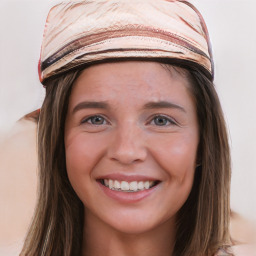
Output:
x,y
168,120
91,117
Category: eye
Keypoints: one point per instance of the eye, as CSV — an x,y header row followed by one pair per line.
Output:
x,y
95,120
161,120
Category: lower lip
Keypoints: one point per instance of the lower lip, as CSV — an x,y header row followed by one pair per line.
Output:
x,y
128,197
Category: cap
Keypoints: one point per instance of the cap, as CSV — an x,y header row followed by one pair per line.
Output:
x,y
86,32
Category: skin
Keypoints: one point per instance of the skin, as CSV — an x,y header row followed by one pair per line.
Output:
x,y
133,136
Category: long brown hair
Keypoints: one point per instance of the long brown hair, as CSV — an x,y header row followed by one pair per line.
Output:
x,y
203,221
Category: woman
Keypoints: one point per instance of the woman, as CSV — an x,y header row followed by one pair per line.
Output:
x,y
133,150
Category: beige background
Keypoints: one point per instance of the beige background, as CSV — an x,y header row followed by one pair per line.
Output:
x,y
232,27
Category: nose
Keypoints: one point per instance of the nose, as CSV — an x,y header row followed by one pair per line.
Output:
x,y
128,145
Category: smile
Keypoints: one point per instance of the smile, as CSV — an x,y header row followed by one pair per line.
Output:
x,y
124,186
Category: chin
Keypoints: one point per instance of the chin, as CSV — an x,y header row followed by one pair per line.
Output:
x,y
135,223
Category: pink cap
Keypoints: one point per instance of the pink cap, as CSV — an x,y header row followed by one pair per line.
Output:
x,y
86,32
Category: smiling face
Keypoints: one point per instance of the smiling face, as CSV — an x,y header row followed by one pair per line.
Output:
x,y
131,138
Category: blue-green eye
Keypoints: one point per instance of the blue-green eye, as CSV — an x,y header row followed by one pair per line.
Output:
x,y
162,121
95,120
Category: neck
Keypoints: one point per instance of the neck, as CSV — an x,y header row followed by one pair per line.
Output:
x,y
101,239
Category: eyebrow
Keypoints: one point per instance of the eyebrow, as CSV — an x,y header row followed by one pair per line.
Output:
x,y
163,104
90,104
104,105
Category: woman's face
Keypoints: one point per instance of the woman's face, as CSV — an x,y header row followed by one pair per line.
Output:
x,y
131,138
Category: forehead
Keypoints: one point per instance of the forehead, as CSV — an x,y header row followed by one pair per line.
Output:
x,y
144,79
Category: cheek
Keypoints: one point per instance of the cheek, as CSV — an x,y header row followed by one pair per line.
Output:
x,y
176,154
82,154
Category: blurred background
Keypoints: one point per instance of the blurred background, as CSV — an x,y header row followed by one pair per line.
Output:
x,y
232,28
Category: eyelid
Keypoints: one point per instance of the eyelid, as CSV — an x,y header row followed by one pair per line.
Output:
x,y
170,119
85,119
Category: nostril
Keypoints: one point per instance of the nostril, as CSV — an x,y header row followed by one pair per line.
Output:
x,y
129,156
127,146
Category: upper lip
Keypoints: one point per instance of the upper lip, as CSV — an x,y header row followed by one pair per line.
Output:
x,y
123,177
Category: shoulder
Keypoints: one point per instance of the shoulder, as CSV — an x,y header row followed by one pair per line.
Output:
x,y
244,250
18,181
239,250
222,252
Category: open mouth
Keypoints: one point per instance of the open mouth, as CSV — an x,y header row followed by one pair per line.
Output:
x,y
125,186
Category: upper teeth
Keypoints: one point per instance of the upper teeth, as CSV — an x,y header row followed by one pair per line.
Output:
x,y
128,186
